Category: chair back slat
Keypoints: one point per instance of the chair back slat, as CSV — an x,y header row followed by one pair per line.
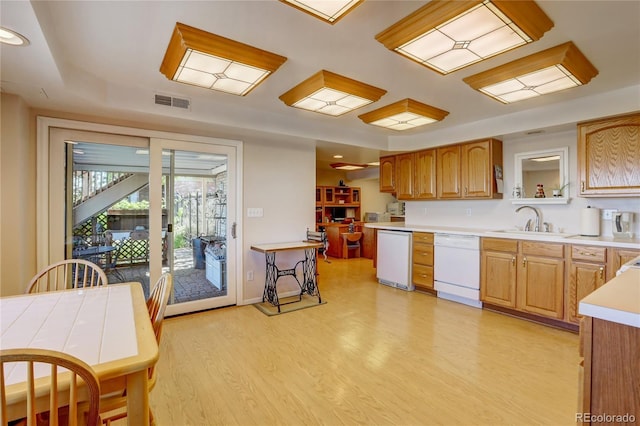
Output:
x,y
70,273
80,376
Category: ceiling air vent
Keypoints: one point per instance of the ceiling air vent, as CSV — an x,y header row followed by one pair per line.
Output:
x,y
170,101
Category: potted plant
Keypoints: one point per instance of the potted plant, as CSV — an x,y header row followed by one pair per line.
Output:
x,y
557,190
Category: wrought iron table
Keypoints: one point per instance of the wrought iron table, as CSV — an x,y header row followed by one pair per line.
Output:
x,y
309,270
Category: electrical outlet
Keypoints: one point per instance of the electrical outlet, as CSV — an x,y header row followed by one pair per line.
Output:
x,y
255,212
607,214
249,275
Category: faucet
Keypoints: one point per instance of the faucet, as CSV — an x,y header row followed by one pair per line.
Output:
x,y
537,222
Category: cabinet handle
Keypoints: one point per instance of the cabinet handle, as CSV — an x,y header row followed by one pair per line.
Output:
x,y
524,262
582,186
587,254
513,260
466,190
423,275
601,272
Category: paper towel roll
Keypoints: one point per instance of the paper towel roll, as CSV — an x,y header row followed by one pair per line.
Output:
x,y
590,222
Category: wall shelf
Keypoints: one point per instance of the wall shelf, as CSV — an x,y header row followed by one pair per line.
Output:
x,y
550,200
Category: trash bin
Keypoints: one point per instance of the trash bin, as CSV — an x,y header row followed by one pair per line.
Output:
x,y
198,253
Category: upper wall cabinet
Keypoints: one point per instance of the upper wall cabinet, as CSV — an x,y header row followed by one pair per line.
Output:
x,y
609,157
454,172
416,175
468,171
388,174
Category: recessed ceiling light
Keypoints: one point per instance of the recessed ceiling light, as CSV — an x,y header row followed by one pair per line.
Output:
x,y
348,166
12,38
374,163
337,156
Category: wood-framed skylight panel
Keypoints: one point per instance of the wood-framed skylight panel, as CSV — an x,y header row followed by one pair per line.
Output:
x,y
404,115
551,70
332,94
330,11
214,62
448,35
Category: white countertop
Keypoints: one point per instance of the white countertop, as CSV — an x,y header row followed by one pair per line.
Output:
x,y
483,232
617,301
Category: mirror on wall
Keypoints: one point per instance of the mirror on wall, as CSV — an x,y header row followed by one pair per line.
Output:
x,y
538,173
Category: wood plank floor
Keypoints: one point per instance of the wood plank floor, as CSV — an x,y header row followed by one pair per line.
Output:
x,y
372,355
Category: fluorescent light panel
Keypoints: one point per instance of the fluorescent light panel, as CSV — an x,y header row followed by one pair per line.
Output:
x,y
348,166
207,60
330,11
403,115
552,70
449,35
332,94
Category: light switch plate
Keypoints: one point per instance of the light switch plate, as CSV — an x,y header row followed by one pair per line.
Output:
x,y
255,212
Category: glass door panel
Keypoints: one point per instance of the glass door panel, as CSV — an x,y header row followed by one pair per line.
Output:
x,y
195,192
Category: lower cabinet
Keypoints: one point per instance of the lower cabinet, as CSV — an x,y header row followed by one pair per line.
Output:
x,y
587,272
526,276
618,257
422,255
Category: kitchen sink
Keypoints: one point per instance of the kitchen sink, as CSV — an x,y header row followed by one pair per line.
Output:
x,y
532,234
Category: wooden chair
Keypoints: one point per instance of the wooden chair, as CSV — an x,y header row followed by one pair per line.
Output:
x,y
79,273
111,407
62,390
351,241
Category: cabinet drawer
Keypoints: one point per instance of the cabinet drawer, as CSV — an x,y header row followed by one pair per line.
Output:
x,y
498,244
589,253
535,248
423,254
423,237
422,275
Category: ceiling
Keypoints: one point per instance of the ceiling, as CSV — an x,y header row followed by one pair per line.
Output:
x,y
102,58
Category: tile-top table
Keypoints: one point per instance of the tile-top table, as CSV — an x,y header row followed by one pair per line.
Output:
x,y
309,264
108,327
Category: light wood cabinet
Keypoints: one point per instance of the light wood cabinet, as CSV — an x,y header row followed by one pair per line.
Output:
x,y
337,202
587,272
422,255
416,175
448,174
388,174
498,272
540,288
609,156
478,161
618,257
527,276
404,176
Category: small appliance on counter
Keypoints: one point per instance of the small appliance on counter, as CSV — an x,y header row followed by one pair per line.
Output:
x,y
396,209
590,222
377,217
622,225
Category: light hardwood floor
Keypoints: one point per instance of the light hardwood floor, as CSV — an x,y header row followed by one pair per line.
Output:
x,y
372,355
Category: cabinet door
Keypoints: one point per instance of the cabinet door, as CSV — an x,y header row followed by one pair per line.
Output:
x,y
584,279
448,172
609,156
388,174
404,176
498,278
619,257
476,170
425,175
540,286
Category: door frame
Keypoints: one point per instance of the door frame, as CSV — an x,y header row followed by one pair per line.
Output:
x,y
50,218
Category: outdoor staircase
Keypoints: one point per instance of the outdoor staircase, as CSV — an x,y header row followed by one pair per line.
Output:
x,y
95,191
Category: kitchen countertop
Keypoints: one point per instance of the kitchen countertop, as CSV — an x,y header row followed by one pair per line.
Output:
x,y
483,232
617,301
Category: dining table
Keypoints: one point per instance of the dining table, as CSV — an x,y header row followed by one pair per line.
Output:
x,y
108,327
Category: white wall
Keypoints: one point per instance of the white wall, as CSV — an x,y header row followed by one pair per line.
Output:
x,y
500,214
280,178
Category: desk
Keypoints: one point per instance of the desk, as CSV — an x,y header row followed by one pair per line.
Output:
x,y
108,327
309,268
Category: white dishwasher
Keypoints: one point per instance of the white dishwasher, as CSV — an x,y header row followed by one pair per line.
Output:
x,y
394,259
457,268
